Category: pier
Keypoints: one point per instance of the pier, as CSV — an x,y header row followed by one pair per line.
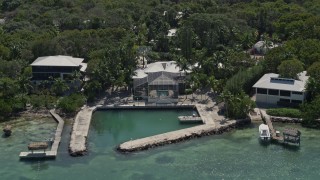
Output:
x,y
272,130
80,130
213,124
55,145
289,135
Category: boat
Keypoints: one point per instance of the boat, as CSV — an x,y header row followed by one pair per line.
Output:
x,y
264,132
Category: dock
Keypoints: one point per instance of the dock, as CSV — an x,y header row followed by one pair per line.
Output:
x,y
55,145
212,124
189,119
80,130
270,125
290,135
172,137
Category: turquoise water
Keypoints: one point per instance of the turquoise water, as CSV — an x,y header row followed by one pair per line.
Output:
x,y
113,127
233,155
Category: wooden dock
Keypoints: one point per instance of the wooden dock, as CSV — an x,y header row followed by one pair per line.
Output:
x,y
270,125
55,145
189,119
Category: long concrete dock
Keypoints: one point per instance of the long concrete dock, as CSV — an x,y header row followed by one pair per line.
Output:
x,y
213,124
55,145
174,136
80,130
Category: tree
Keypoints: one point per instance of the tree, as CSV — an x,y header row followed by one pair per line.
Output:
x,y
92,88
310,113
314,71
290,68
59,86
274,57
313,84
237,106
313,88
186,41
72,103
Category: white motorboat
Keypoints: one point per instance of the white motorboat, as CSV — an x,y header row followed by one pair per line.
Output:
x,y
264,132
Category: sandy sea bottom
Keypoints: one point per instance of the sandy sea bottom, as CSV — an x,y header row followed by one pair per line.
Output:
x,y
233,155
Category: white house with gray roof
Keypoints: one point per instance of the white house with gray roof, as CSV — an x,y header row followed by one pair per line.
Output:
x,y
271,89
159,82
56,67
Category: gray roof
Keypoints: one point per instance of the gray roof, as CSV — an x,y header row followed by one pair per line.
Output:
x,y
172,32
162,66
162,80
272,81
58,60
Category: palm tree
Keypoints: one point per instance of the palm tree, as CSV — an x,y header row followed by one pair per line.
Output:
x,y
75,80
226,97
59,86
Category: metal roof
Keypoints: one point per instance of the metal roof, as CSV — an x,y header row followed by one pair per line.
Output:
x,y
172,32
273,81
161,66
162,80
58,60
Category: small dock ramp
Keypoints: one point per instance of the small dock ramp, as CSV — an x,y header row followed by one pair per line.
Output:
x,y
189,119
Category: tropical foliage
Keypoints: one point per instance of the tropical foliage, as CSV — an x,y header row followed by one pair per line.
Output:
x,y
213,34
285,112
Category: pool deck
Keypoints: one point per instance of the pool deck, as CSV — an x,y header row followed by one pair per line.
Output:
x,y
80,130
54,148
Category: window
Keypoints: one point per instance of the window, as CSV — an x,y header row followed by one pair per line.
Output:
x,y
273,92
261,91
284,100
296,101
298,93
285,93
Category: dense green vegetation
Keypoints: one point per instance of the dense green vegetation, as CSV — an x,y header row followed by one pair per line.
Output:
x,y
110,35
311,113
285,112
70,104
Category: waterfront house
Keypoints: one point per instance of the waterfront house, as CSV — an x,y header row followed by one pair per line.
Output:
x,y
261,47
159,82
56,67
271,89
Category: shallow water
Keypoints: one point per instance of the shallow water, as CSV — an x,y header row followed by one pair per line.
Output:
x,y
233,155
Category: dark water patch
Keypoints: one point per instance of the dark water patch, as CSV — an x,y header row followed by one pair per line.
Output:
x,y
5,136
24,178
291,147
138,176
9,145
295,170
164,159
264,143
40,166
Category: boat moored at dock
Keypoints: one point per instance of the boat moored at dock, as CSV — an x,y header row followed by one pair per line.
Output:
x,y
264,132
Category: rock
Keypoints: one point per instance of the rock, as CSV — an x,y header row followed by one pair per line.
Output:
x,y
7,130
